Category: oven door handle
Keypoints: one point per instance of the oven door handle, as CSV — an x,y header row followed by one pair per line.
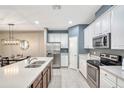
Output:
x,y
92,66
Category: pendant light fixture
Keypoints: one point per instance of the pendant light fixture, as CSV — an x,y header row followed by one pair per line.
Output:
x,y
11,40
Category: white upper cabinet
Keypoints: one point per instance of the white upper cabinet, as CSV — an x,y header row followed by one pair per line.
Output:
x,y
110,22
102,24
117,28
88,36
59,37
51,37
64,40
105,23
91,35
97,27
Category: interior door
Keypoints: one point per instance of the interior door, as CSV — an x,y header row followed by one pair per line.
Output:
x,y
73,53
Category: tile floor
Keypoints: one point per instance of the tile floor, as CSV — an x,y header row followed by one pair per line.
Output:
x,y
67,78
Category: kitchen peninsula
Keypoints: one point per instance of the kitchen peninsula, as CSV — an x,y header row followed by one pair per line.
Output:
x,y
18,75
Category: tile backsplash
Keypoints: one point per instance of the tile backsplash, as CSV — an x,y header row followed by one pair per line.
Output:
x,y
98,51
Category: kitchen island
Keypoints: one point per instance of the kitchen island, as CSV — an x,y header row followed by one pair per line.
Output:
x,y
18,76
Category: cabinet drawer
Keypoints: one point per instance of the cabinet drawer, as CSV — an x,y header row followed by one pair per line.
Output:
x,y
120,83
108,76
106,83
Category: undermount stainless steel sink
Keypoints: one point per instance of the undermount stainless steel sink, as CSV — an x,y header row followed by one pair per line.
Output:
x,y
39,62
32,66
35,64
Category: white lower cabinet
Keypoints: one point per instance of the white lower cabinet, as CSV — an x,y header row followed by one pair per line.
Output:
x,y
64,59
107,80
83,66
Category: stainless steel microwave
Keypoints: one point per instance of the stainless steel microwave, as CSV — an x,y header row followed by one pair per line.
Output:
x,y
102,41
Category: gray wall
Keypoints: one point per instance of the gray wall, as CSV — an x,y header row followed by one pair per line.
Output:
x,y
78,31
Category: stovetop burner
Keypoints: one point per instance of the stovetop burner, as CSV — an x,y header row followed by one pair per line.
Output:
x,y
107,60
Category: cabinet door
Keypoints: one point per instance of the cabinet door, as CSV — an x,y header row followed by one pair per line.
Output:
x,y
38,86
86,38
45,78
56,37
38,82
107,80
117,28
65,40
62,40
50,39
105,23
64,59
90,36
83,66
97,27
49,73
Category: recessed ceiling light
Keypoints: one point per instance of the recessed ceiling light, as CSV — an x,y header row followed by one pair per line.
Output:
x,y
70,22
36,22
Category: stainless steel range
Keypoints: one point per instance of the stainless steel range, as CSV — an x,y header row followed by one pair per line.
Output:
x,y
93,67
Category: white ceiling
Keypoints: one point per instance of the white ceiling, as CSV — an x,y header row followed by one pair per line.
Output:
x,y
24,16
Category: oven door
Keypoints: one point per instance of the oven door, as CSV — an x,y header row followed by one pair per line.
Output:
x,y
93,77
